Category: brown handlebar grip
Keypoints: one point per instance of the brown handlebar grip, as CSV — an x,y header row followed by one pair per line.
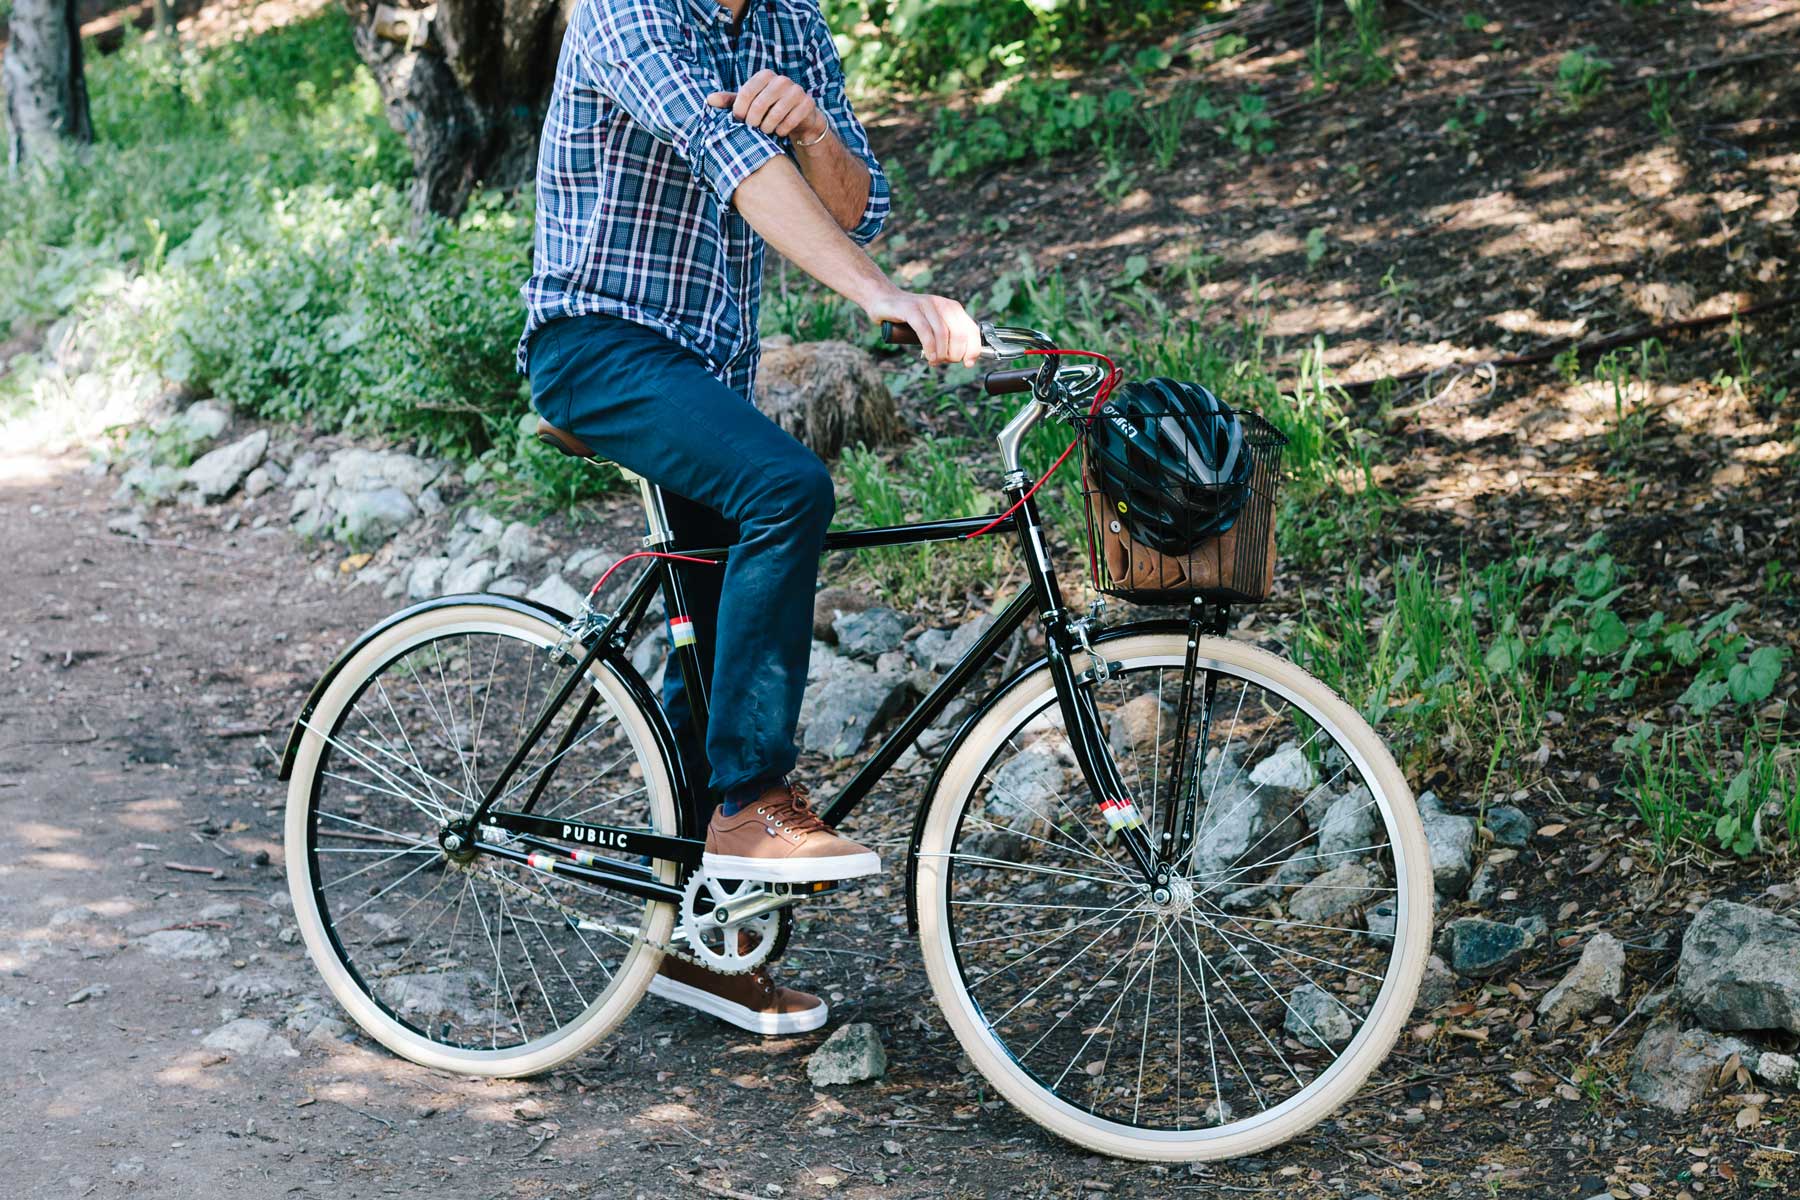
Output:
x,y
1003,383
894,333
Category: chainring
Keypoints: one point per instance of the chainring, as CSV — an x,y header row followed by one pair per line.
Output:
x,y
735,947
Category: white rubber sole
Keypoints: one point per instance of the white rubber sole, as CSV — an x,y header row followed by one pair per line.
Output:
x,y
791,870
767,1024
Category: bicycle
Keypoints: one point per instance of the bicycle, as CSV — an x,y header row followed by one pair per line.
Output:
x,y
1172,893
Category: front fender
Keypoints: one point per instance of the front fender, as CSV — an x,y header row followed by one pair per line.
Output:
x,y
1018,678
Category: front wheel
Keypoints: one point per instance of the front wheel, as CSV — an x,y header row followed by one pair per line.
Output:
x,y
1237,1003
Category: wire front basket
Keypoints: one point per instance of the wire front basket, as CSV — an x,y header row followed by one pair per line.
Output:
x,y
1175,553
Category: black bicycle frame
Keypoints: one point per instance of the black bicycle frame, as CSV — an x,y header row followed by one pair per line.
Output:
x,y
1063,642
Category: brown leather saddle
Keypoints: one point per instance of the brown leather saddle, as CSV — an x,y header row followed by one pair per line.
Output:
x,y
563,440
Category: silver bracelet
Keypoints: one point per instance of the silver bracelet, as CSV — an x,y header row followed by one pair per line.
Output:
x,y
823,133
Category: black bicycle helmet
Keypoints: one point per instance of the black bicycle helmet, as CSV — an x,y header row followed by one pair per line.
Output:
x,y
1171,462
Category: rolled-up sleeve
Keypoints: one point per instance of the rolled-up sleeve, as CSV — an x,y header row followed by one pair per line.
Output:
x,y
638,57
827,88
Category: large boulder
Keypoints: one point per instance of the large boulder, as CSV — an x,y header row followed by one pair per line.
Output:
x,y
827,394
846,701
1740,968
1338,891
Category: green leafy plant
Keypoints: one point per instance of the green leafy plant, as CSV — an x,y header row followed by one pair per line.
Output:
x,y
1628,375
1582,74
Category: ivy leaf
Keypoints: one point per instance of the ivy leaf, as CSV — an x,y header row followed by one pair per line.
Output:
x,y
1753,681
1596,576
1682,645
1703,695
1606,634
1135,268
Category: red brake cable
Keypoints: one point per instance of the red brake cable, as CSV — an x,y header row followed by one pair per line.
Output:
x,y
1113,375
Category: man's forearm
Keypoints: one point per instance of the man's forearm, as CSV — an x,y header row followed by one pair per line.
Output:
x,y
839,177
793,218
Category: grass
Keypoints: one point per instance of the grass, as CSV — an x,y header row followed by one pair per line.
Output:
x,y
928,482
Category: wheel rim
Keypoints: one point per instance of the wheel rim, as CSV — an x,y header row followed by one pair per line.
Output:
x,y
1169,1006
485,957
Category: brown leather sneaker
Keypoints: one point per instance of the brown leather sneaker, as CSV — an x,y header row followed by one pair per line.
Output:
x,y
750,1001
779,839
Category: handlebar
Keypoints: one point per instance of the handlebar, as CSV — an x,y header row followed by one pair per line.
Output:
x,y
896,333
1003,383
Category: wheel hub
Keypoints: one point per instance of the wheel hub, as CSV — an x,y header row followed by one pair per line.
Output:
x,y
1173,898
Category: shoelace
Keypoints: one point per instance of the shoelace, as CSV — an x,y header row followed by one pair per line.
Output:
x,y
794,812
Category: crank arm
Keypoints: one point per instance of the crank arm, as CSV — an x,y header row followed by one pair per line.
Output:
x,y
778,895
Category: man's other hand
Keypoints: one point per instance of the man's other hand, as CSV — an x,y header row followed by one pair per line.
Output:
x,y
947,333
774,104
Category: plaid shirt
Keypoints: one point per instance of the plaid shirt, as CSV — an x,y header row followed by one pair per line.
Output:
x,y
636,171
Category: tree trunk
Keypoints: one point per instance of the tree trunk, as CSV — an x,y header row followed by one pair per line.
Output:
x,y
465,83
46,93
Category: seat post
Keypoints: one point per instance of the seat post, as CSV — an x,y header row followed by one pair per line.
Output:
x,y
655,515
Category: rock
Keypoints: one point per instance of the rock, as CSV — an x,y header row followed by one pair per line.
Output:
x,y
425,578
474,577
1243,825
1286,768
848,703
249,1038
1599,978
1315,1019
185,943
1481,949
1484,885
588,564
1438,987
518,547
939,649
1382,919
1452,841
355,469
831,603
511,585
1782,1070
1509,825
253,985
851,1055
217,473
1740,968
199,423
870,633
1135,726
827,394
370,518
1338,891
1025,789
1673,1068
1348,827
556,592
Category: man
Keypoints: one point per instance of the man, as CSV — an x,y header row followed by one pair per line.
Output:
x,y
682,135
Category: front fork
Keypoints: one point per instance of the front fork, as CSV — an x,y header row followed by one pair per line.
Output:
x,y
1154,852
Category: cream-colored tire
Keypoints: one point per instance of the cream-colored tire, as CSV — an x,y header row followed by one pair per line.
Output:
x,y
352,757
962,802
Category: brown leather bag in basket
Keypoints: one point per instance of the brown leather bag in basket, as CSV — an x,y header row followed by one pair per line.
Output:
x,y
1216,565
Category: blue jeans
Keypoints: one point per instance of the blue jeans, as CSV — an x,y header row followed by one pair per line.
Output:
x,y
730,477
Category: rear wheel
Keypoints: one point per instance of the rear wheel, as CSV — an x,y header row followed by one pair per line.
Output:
x,y
1228,1009
480,966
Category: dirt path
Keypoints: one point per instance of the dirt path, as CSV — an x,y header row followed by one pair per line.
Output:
x,y
146,689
